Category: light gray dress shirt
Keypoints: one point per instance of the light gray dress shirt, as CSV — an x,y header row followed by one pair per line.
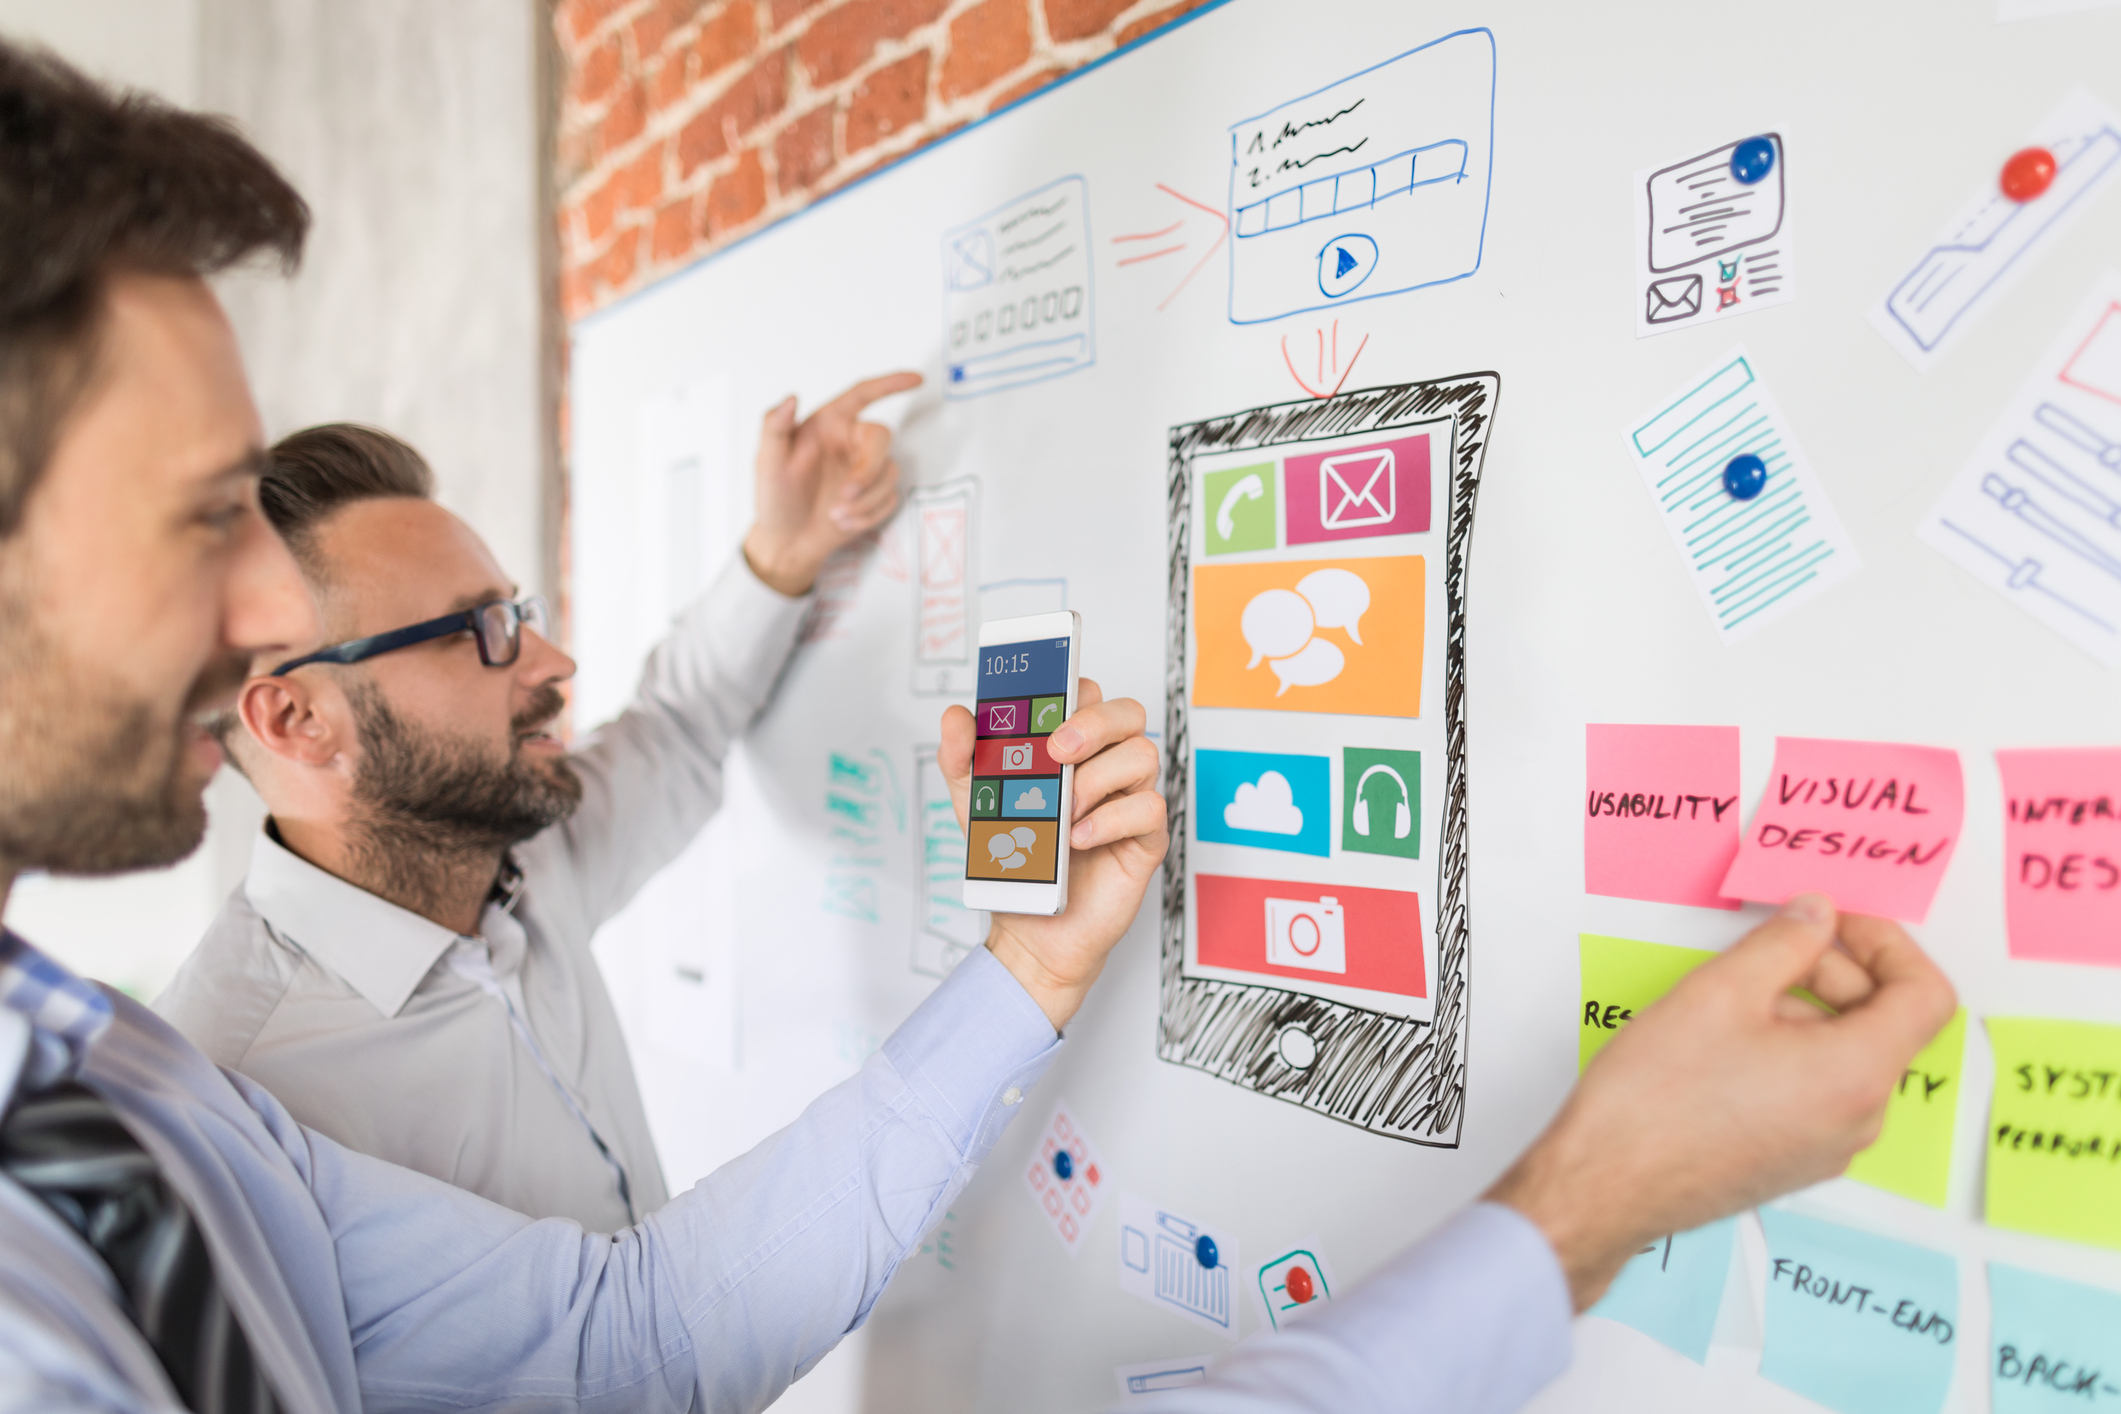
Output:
x,y
494,1063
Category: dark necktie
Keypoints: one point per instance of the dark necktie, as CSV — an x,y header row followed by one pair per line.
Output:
x,y
66,1146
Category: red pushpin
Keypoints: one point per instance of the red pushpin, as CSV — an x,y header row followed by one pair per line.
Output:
x,y
2028,174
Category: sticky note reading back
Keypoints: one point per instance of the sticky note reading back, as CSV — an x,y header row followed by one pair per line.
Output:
x,y
1869,824
1912,1155
1855,1321
2053,1344
1660,812
1670,1290
2054,1131
2062,854
1620,978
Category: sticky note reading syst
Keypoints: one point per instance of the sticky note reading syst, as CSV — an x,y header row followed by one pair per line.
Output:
x,y
1620,978
1660,812
1855,1321
1869,824
2053,1344
1671,1289
1912,1155
2054,1131
2062,854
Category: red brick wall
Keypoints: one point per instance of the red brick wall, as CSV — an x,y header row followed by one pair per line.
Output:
x,y
687,123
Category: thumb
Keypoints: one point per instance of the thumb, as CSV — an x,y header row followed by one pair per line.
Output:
x,y
954,759
1782,952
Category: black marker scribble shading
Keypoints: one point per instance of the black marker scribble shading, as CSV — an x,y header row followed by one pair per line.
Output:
x,y
1028,212
1011,272
1029,241
1390,1075
1295,130
1294,164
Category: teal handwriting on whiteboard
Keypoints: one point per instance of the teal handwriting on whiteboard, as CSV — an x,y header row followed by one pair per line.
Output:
x,y
1855,1321
1670,1290
2053,1344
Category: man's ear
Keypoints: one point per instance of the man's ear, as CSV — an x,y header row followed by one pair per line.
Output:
x,y
286,719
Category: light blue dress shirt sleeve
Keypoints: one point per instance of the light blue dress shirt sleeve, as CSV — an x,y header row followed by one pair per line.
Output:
x,y
729,1293
1473,1319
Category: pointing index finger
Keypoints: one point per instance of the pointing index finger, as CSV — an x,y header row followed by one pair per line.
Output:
x,y
869,390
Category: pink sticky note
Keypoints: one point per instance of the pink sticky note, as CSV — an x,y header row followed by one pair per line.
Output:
x,y
2062,854
1870,824
1660,812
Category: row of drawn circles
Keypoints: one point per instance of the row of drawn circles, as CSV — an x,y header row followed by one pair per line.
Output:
x,y
1054,307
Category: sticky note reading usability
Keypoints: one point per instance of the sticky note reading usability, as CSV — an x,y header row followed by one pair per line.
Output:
x,y
1660,812
1912,1155
1855,1321
2054,1132
2062,854
1670,1290
2053,1344
1869,824
1620,978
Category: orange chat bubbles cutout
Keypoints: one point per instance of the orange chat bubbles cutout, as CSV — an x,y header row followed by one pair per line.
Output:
x,y
1311,635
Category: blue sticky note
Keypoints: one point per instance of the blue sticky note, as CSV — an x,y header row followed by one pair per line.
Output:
x,y
2053,1344
1855,1321
1264,800
1670,1290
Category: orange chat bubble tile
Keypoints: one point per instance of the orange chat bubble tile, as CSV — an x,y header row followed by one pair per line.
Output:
x,y
1311,635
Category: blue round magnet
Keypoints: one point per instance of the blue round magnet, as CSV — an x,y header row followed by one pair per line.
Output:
x,y
1752,159
1744,475
1064,1165
1204,1251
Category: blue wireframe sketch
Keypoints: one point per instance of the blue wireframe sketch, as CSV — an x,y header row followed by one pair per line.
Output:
x,y
1372,186
1018,306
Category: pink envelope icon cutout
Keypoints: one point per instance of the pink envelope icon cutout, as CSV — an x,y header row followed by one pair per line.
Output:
x,y
1357,488
1002,717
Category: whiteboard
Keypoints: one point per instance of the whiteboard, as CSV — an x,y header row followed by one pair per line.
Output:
x,y
816,911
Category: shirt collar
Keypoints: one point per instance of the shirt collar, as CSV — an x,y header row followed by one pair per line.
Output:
x,y
65,1013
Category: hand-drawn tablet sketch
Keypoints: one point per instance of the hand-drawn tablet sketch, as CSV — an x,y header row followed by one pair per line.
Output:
x,y
1371,186
1017,300
1322,961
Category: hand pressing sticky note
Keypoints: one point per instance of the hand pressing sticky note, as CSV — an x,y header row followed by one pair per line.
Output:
x,y
1670,1290
1620,978
1869,824
1912,1155
2053,1344
2062,854
2054,1133
1660,812
1855,1321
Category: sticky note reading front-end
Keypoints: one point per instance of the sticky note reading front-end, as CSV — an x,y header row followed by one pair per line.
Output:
x,y
1620,978
2053,1344
2062,854
1855,1321
1912,1155
1670,1289
1660,812
1869,824
2054,1132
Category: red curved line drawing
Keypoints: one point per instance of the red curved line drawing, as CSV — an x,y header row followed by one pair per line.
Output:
x,y
1151,235
1344,372
1220,237
1167,250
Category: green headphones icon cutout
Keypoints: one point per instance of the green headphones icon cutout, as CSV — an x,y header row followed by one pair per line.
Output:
x,y
983,798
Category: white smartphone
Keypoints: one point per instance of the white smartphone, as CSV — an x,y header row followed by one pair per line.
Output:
x,y
1016,842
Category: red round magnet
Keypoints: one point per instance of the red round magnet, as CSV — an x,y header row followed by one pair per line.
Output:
x,y
2028,174
1299,1285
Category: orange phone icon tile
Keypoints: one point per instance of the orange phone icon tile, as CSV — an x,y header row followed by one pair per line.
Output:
x,y
1311,635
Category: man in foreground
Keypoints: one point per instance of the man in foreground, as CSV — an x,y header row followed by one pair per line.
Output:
x,y
169,1235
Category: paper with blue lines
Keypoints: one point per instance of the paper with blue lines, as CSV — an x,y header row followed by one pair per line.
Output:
x,y
1752,560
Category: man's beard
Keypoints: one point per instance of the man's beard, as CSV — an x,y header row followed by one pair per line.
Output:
x,y
92,780
422,800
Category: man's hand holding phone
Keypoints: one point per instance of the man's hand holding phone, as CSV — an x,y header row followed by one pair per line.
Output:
x,y
1117,836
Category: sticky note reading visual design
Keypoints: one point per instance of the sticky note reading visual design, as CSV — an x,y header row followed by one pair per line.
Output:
x,y
1855,1321
2053,1344
2054,1131
1620,978
1670,1290
1660,812
2062,854
1912,1155
1869,824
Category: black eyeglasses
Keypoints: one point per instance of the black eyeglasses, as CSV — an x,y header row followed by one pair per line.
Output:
x,y
498,625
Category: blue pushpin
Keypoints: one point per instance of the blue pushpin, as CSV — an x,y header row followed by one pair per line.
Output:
x,y
1752,159
1744,475
1064,1165
1205,1252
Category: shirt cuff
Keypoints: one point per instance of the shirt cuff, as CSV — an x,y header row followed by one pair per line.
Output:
x,y
973,1050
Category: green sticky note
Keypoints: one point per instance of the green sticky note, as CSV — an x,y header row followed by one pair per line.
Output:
x,y
1913,1153
1380,802
1620,978
1240,504
2054,1132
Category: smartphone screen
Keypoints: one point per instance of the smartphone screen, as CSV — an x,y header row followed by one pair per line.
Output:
x,y
1020,794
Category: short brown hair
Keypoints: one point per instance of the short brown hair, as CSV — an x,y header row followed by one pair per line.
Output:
x,y
92,180
320,469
